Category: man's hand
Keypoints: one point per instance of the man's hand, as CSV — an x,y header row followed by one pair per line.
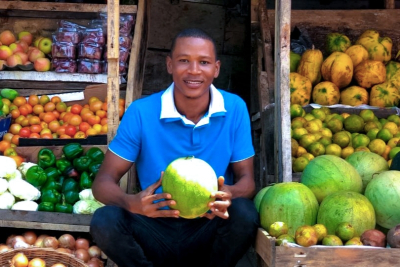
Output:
x,y
223,198
143,202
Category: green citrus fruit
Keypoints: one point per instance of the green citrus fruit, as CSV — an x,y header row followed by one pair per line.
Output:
x,y
354,123
316,149
333,149
334,125
394,118
377,146
277,229
384,134
296,110
345,231
321,231
372,133
299,164
393,152
347,151
318,114
332,240
299,132
360,140
367,115
341,138
391,126
307,139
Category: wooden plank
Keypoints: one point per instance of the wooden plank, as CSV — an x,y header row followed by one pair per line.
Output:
x,y
45,226
51,76
265,247
211,2
45,217
283,157
389,4
254,12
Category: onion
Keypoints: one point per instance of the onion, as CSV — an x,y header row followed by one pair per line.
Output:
x,y
82,243
103,255
19,242
82,254
9,240
64,250
37,262
50,242
95,262
66,241
94,252
4,248
30,237
39,241
58,265
19,260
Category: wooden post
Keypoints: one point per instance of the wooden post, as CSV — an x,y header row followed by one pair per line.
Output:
x,y
283,157
390,4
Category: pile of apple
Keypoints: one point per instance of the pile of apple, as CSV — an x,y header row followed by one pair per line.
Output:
x,y
24,51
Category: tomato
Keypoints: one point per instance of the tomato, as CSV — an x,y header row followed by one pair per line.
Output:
x,y
67,117
55,99
54,135
29,107
36,128
61,130
84,126
4,145
85,116
37,109
15,139
44,99
75,120
86,106
17,159
56,114
92,99
41,115
34,120
61,107
54,125
14,128
7,137
101,113
76,109
96,105
10,152
6,101
44,125
24,110
15,113
49,117
25,122
64,136
104,129
103,121
121,102
33,100
25,132
93,119
46,136
45,130
91,131
19,101
97,127
121,111
34,135
80,134
50,106
70,130
104,106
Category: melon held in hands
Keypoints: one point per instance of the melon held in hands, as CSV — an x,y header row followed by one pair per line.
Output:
x,y
190,181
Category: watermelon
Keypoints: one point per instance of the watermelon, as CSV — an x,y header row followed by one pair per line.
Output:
x,y
292,203
346,206
328,174
384,193
257,199
367,164
190,181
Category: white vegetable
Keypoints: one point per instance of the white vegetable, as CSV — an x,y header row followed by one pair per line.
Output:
x,y
24,167
23,190
25,205
86,194
86,206
3,185
6,200
7,167
17,175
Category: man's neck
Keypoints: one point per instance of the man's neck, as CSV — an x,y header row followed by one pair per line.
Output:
x,y
193,109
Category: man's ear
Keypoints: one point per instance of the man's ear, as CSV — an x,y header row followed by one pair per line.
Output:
x,y
217,68
169,64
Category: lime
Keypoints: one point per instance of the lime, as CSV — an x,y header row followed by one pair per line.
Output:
x,y
347,151
385,154
337,116
377,146
355,241
313,126
298,122
341,138
332,240
383,121
393,152
335,125
299,164
372,133
328,117
317,135
333,149
295,147
296,110
394,118
345,231
321,231
325,140
308,156
318,114
393,142
354,123
362,148
316,148
391,126
299,132
367,115
301,151
307,139
384,134
278,228
372,125
326,110
309,117
360,140
286,238
326,132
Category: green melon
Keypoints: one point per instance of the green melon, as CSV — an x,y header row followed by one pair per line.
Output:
x,y
292,203
190,181
346,206
257,199
367,164
384,193
337,42
328,174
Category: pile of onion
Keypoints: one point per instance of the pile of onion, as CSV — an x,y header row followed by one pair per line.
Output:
x,y
20,260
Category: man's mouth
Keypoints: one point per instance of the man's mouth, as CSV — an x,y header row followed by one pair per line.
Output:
x,y
193,82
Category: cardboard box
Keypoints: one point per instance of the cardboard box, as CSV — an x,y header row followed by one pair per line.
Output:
x,y
4,125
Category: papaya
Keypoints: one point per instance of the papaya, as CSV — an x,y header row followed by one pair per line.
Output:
x,y
8,93
384,95
369,73
379,48
326,93
300,89
294,61
354,96
337,42
310,65
338,69
357,53
393,73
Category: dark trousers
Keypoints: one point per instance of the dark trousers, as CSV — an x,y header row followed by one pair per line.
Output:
x,y
132,240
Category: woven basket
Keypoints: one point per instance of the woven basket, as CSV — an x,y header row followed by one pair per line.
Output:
x,y
50,256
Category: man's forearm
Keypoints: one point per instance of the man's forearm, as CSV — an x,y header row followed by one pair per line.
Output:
x,y
109,193
242,188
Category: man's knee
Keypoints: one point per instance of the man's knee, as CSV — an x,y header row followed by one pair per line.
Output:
x,y
244,212
104,219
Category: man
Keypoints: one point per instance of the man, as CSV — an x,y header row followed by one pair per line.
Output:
x,y
190,118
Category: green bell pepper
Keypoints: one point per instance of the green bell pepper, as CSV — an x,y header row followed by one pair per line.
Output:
x,y
51,184
85,181
50,195
46,158
96,154
72,150
70,184
46,206
36,176
52,173
94,167
71,197
63,206
82,164
66,168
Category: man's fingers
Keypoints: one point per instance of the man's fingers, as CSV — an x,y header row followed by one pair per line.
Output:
x,y
159,196
221,181
220,213
166,213
221,195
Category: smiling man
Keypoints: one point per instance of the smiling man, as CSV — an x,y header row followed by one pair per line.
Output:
x,y
190,118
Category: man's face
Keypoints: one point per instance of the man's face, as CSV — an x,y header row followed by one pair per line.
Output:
x,y
193,66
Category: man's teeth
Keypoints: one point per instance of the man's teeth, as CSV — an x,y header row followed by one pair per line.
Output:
x,y
193,82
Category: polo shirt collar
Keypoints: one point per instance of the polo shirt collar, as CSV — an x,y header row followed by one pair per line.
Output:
x,y
170,113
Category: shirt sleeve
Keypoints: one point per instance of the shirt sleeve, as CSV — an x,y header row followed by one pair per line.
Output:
x,y
127,142
243,145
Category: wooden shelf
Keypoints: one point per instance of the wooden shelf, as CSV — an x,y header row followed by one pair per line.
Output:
x,y
51,76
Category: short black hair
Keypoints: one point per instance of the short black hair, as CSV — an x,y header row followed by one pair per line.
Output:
x,y
193,33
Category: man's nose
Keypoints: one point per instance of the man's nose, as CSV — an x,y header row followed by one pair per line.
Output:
x,y
194,67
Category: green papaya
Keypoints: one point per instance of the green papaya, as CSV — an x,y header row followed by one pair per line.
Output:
x,y
294,61
8,93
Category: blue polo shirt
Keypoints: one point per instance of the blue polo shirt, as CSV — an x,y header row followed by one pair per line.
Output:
x,y
153,133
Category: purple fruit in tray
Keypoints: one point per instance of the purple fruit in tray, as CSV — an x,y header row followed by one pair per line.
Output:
x,y
89,66
63,50
90,51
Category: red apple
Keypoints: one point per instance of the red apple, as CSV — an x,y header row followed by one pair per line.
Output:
x,y
23,56
24,45
16,48
37,40
7,37
35,54
5,52
45,45
25,36
14,60
42,64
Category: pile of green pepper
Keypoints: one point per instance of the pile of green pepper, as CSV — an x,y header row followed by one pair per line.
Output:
x,y
61,180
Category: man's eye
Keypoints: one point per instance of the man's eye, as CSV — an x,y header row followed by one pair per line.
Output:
x,y
183,60
204,62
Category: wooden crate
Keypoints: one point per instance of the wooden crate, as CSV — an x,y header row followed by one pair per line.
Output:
x,y
274,256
